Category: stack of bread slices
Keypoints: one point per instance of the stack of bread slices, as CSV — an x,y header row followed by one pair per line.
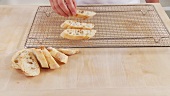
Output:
x,y
31,60
76,30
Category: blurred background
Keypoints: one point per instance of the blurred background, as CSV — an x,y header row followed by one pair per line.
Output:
x,y
164,3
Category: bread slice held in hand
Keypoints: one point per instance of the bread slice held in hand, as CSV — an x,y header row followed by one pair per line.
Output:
x,y
40,57
69,52
70,24
78,34
51,61
84,14
62,58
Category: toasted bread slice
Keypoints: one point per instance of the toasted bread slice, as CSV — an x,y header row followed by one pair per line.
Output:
x,y
58,55
15,59
69,52
29,64
51,61
70,24
84,14
77,34
40,57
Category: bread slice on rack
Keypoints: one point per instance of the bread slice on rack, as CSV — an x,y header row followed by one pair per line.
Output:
x,y
61,57
40,57
84,14
71,24
78,34
27,62
69,52
51,61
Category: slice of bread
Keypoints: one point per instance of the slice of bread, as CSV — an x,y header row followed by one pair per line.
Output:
x,y
15,60
70,24
58,55
69,52
84,14
40,57
29,64
51,61
78,34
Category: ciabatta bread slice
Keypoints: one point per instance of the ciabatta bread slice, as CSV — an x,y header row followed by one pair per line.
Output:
x,y
70,24
78,34
84,14
29,64
69,52
15,60
58,55
40,57
51,61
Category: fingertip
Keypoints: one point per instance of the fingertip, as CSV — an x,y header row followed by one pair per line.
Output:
x,y
69,14
65,15
74,13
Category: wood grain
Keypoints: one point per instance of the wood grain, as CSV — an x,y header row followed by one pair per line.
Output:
x,y
99,71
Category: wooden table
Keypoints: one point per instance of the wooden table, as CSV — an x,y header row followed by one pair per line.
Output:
x,y
94,72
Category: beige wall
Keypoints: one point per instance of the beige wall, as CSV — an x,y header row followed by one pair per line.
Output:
x,y
163,2
35,2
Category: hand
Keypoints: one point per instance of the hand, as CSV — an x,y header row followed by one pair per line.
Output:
x,y
64,7
152,1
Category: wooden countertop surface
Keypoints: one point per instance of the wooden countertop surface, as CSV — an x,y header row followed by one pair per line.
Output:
x,y
94,72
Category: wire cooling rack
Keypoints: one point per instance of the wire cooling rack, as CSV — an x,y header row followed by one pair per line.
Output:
x,y
116,25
